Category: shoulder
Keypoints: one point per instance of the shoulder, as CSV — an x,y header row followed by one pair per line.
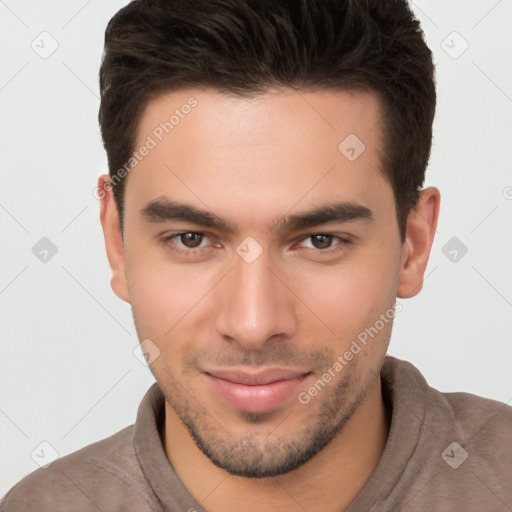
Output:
x,y
481,423
474,441
468,416
478,427
458,446
477,420
103,476
473,436
484,425
491,414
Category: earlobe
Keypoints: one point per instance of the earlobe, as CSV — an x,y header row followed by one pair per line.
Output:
x,y
109,218
421,228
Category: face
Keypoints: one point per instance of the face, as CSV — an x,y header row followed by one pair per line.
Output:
x,y
260,244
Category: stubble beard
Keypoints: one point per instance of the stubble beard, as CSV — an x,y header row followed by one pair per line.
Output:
x,y
257,455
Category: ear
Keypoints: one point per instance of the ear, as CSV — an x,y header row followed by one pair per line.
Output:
x,y
109,217
421,227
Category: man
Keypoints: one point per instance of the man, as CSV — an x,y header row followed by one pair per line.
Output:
x,y
263,212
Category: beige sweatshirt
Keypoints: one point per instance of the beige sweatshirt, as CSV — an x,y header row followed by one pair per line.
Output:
x,y
445,452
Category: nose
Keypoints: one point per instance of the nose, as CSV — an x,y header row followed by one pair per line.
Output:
x,y
254,305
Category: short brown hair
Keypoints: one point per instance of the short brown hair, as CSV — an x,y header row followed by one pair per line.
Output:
x,y
245,47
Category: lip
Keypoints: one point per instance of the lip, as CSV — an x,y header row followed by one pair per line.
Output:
x,y
256,392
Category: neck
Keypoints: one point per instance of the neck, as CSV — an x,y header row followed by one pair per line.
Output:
x,y
329,482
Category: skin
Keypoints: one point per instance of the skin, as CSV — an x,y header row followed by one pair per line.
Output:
x,y
299,304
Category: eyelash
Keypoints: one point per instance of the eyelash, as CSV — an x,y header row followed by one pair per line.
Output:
x,y
167,241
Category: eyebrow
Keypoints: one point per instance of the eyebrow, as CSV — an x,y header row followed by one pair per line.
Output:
x,y
162,209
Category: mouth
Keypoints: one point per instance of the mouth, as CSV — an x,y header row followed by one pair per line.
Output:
x,y
256,392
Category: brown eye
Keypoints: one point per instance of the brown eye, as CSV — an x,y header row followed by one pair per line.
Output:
x,y
321,241
325,243
191,240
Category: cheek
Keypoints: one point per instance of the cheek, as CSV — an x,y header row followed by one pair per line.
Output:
x,y
161,293
350,298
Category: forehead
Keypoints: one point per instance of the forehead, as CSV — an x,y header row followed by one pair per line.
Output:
x,y
280,148
256,119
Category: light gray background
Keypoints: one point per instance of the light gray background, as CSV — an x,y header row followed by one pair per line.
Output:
x,y
68,372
